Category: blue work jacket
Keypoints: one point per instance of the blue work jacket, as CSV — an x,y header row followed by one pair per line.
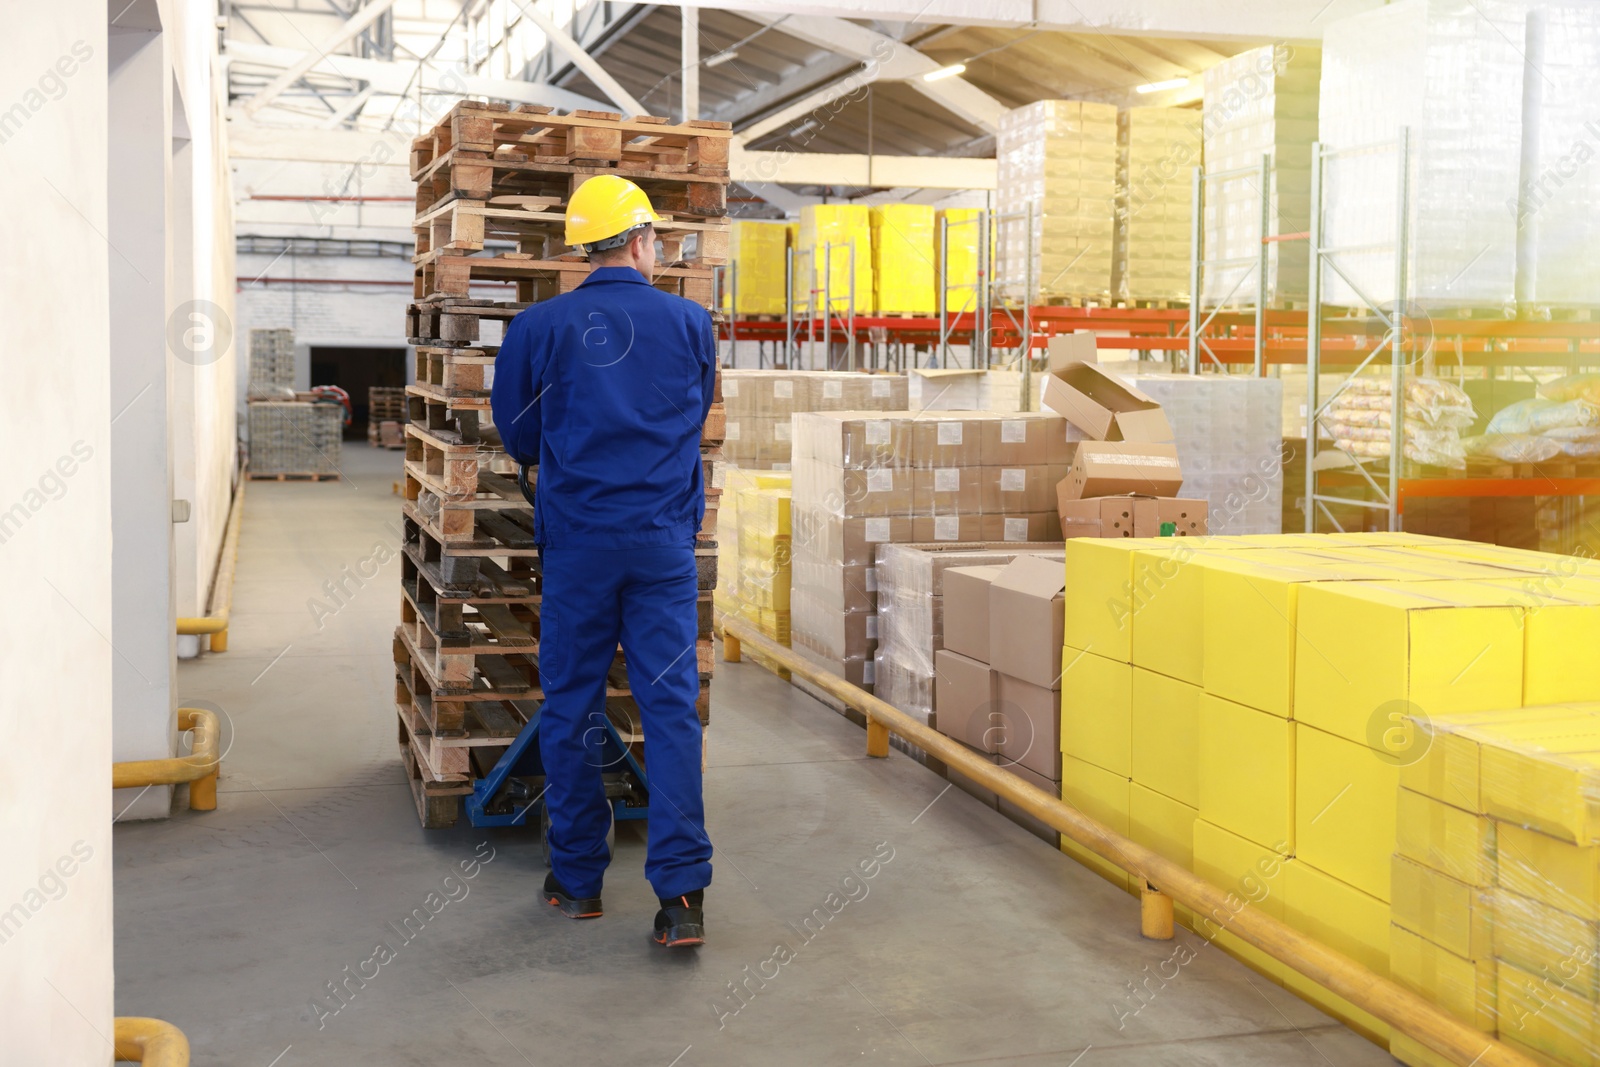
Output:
x,y
606,389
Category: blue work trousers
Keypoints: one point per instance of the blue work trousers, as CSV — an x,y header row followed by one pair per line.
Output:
x,y
644,597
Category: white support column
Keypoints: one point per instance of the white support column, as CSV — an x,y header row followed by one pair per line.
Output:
x,y
691,63
143,630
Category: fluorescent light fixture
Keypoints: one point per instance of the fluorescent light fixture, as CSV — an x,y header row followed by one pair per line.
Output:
x,y
721,58
1161,87
944,72
804,127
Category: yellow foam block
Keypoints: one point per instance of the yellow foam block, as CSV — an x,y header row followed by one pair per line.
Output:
x,y
1549,870
1161,824
1453,915
1538,1013
1541,939
1104,797
1464,988
1448,839
1246,772
1166,731
1337,914
1365,649
1096,709
1168,625
1344,809
1249,871
1548,779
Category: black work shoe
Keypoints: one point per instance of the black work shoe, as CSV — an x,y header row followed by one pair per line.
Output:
x,y
681,922
572,907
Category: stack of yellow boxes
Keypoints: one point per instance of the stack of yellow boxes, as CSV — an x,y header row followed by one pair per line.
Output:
x,y
1057,162
828,232
1238,705
958,256
757,265
1497,869
903,256
753,550
1158,149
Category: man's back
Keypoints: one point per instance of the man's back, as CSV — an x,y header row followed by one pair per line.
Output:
x,y
606,388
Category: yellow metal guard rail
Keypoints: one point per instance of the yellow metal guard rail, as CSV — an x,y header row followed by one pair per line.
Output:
x,y
199,768
1164,881
215,622
151,1042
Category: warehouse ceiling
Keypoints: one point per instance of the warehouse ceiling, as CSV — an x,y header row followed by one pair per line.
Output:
x,y
754,68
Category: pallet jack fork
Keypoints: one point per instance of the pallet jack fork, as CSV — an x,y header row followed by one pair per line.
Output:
x,y
515,786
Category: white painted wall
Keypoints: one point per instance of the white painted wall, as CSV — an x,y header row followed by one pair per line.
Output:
x,y
56,999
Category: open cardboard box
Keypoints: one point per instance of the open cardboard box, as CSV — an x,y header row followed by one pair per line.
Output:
x,y
1130,515
1095,400
1115,468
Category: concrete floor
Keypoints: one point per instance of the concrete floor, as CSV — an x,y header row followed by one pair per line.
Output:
x,y
975,943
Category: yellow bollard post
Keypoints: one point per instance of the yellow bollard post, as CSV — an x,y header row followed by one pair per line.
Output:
x,y
730,648
877,739
1155,914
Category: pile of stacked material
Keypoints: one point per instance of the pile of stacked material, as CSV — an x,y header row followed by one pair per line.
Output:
x,y
1157,150
760,403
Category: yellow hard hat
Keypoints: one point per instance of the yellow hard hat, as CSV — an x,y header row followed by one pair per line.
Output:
x,y
605,206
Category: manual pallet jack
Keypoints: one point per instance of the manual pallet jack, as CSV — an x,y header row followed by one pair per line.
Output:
x,y
515,786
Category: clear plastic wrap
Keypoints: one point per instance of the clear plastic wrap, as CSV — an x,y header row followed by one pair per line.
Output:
x,y
759,404
1539,415
1359,418
1451,72
1573,387
1511,447
1058,160
1157,147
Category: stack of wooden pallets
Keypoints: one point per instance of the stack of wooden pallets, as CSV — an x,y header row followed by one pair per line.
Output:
x,y
386,415
467,649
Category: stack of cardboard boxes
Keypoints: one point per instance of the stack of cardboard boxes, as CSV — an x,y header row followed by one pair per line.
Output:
x,y
999,673
760,403
1125,476
758,257
902,259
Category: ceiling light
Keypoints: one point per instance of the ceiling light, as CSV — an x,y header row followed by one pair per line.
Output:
x,y
807,125
944,72
721,58
1161,87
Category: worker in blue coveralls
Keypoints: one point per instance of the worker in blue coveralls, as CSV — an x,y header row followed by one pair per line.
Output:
x,y
606,389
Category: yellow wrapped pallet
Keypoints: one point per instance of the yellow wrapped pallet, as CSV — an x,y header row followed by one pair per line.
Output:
x,y
756,266
829,232
903,257
959,252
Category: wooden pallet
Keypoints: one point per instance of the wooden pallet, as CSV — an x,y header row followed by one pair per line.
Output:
x,y
438,803
537,226
445,462
453,321
451,273
497,516
294,476
453,373
488,583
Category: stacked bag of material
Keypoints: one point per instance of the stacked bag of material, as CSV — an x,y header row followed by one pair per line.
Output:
x,y
1157,149
757,266
760,403
293,437
1497,875
1242,709
1563,420
827,234
903,257
1058,160
1359,419
867,479
1263,101
1452,73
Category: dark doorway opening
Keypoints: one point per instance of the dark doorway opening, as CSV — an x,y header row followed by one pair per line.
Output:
x,y
355,370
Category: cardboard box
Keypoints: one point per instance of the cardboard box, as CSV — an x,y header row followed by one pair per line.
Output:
x,y
1337,914
1025,616
1162,824
947,491
1247,772
1104,468
1028,731
1104,797
1101,572
1097,710
1547,780
1344,809
1363,647
1537,1013
1554,872
1451,914
1463,987
1165,734
1027,439
1250,871
1445,838
964,700
1040,526
1546,940
981,794
1131,515
950,440
966,610
1169,636
1043,831
947,528
1018,490
1103,405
